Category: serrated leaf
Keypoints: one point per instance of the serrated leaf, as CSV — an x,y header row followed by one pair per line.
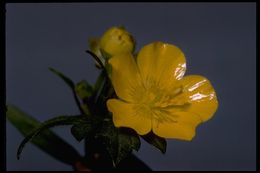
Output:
x,y
127,141
158,142
108,134
47,141
82,129
60,120
119,141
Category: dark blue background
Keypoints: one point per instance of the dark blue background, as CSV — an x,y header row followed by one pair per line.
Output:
x,y
218,39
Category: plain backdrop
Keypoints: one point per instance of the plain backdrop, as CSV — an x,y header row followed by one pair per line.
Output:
x,y
218,39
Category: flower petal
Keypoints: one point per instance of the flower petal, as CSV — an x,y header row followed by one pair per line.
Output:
x,y
183,126
125,76
125,115
162,63
195,104
198,91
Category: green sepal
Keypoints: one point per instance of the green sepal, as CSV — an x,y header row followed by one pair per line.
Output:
x,y
83,89
105,55
97,59
93,44
95,48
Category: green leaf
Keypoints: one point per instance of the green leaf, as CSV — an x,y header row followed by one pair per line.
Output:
x,y
127,141
109,135
61,120
47,141
63,77
156,141
119,141
82,128
71,84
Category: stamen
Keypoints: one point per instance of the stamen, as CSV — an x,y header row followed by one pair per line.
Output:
x,y
155,102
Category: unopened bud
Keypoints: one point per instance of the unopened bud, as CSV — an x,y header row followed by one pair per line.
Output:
x,y
117,40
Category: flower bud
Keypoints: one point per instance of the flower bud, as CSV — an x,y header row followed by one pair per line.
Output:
x,y
83,89
117,40
94,46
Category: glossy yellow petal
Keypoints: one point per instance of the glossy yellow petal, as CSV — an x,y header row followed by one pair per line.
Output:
x,y
197,102
126,115
182,126
125,76
198,91
161,63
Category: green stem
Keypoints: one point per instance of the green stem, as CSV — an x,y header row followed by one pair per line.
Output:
x,y
97,87
99,81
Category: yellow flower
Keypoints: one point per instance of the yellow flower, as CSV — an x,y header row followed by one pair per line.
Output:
x,y
154,95
117,40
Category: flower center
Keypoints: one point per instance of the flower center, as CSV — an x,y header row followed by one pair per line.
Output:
x,y
158,103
